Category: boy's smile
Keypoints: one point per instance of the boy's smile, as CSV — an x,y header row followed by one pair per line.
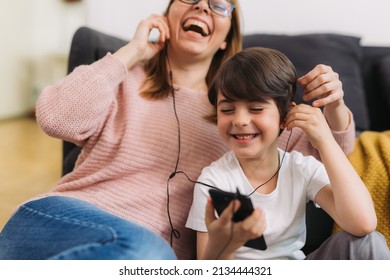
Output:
x,y
249,128
244,137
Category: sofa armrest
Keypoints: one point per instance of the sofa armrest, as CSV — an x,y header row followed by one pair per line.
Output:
x,y
88,45
376,73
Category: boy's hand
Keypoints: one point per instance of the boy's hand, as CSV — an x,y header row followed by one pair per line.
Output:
x,y
312,122
225,236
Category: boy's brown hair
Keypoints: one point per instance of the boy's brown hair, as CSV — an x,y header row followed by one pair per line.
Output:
x,y
257,74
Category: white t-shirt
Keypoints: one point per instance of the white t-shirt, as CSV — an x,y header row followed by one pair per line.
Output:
x,y
300,178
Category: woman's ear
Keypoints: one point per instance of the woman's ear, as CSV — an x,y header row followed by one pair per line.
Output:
x,y
223,45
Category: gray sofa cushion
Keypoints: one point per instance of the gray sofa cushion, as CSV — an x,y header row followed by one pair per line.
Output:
x,y
383,72
342,53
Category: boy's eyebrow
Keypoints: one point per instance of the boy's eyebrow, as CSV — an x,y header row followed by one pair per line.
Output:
x,y
228,101
265,101
224,100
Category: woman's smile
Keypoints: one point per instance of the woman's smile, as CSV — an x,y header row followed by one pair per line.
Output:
x,y
197,26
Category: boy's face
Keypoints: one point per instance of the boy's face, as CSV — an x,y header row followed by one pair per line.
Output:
x,y
250,129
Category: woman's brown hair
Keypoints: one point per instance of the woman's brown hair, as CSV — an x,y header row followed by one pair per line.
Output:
x,y
157,84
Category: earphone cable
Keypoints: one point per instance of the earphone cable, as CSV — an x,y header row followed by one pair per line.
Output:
x,y
174,232
277,170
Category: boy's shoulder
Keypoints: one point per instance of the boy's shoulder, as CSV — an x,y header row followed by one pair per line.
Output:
x,y
293,159
300,157
297,160
227,159
230,160
225,164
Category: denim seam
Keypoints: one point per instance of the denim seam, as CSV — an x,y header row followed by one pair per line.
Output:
x,y
74,221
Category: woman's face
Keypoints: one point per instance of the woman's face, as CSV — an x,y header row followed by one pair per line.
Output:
x,y
196,30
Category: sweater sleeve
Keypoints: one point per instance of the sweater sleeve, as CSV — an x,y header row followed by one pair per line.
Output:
x,y
298,141
75,107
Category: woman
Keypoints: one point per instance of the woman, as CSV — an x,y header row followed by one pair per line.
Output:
x,y
138,114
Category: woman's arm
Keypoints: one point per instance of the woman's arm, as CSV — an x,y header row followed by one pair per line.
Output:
x,y
75,107
140,48
323,86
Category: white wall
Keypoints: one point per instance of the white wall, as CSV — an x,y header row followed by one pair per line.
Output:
x,y
35,41
368,19
36,34
14,48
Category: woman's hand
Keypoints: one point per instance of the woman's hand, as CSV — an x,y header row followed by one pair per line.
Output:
x,y
140,48
324,85
225,236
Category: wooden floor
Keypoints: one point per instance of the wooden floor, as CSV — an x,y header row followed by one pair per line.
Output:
x,y
30,163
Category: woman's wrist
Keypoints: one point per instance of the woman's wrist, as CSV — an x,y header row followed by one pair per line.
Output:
x,y
337,115
127,55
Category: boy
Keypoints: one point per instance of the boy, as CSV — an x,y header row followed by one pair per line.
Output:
x,y
253,94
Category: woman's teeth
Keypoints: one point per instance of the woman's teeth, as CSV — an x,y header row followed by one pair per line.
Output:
x,y
196,26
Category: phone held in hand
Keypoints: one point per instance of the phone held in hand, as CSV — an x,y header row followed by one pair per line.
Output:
x,y
221,200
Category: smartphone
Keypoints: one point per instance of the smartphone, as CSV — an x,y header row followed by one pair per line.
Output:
x,y
221,200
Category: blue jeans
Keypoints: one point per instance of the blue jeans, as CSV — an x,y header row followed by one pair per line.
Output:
x,y
66,228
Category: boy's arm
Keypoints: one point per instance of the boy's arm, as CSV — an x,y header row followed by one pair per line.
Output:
x,y
346,199
213,246
205,252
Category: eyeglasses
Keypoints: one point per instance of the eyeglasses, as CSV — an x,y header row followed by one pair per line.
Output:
x,y
220,7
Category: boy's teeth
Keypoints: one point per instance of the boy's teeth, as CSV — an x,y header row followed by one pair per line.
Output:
x,y
245,137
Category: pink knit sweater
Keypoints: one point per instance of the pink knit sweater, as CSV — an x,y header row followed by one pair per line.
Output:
x,y
130,145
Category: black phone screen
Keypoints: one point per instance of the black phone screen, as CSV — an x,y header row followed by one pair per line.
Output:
x,y
221,200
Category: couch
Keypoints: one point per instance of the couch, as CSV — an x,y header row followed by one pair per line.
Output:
x,y
364,71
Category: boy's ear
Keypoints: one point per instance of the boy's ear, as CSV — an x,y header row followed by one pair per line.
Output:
x,y
282,125
283,122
